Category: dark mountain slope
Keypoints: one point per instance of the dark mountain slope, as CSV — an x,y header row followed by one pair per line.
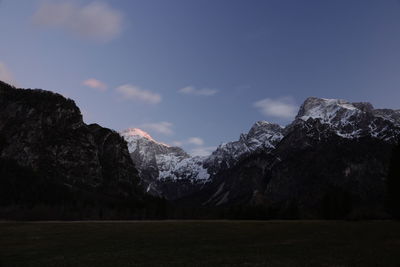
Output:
x,y
44,141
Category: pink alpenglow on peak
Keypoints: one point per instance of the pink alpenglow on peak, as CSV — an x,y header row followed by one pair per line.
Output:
x,y
137,132
133,134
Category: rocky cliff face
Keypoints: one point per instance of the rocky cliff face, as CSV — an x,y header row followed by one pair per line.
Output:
x,y
44,132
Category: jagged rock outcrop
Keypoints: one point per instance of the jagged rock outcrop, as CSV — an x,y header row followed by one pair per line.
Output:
x,y
263,136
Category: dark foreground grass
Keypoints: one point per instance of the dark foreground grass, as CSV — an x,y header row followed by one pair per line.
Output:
x,y
200,243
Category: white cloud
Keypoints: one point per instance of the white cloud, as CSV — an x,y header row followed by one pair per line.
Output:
x,y
284,108
190,90
163,127
136,93
202,151
195,141
95,84
6,75
95,20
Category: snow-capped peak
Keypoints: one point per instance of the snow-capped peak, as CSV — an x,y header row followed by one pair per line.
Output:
x,y
157,161
137,132
350,120
325,109
134,134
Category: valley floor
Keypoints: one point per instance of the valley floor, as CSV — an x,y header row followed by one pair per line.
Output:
x,y
200,243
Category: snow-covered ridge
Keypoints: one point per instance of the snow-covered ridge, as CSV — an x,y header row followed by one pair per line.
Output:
x,y
157,161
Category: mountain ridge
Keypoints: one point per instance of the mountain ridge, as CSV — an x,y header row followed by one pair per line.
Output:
x,y
329,164
319,123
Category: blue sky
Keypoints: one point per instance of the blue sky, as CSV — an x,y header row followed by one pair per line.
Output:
x,y
200,72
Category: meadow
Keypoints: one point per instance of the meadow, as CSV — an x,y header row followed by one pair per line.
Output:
x,y
200,243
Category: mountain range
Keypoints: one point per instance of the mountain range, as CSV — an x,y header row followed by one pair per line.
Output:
x,y
332,161
335,153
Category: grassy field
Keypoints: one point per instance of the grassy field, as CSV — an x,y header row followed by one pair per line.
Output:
x,y
200,243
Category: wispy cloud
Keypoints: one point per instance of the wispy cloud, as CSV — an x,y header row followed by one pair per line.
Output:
x,y
133,92
96,20
284,108
6,75
86,115
202,151
190,90
177,143
95,84
163,127
197,141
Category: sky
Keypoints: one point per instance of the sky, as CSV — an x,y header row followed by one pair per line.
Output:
x,y
197,73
